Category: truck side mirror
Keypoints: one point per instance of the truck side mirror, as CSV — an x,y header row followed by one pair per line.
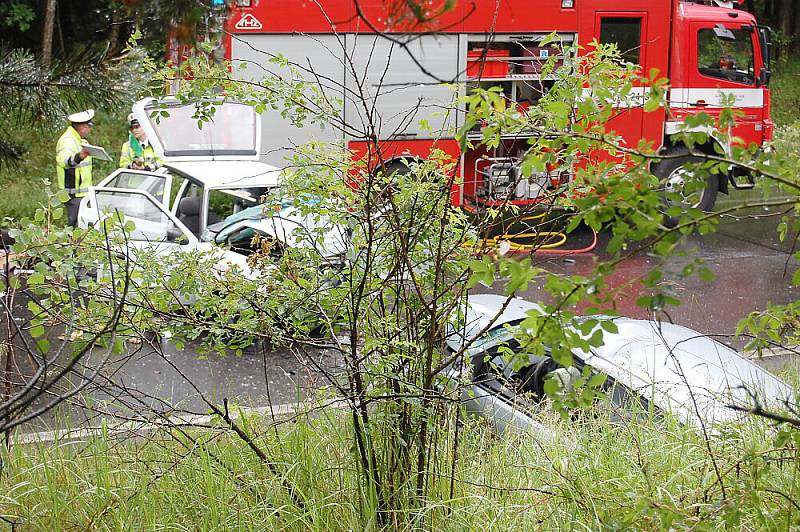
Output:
x,y
763,76
765,39
724,33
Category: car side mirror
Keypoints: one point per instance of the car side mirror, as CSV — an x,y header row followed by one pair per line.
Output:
x,y
176,235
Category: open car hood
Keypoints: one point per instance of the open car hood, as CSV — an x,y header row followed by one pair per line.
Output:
x,y
176,132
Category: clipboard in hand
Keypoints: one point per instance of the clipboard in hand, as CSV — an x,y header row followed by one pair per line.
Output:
x,y
97,152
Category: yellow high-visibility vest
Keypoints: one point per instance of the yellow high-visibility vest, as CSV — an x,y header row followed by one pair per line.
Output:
x,y
75,179
149,156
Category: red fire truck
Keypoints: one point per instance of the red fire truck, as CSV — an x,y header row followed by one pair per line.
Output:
x,y
395,74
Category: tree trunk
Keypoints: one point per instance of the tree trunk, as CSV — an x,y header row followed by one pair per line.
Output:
x,y
60,32
115,32
783,16
47,31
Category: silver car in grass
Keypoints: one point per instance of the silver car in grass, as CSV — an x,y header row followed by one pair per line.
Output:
x,y
658,367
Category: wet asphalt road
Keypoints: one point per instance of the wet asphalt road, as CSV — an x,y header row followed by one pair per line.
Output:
x,y
752,270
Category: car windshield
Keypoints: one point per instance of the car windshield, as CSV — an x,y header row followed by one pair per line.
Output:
x,y
225,205
501,334
726,54
220,229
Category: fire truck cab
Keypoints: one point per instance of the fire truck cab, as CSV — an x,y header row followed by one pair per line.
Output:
x,y
395,82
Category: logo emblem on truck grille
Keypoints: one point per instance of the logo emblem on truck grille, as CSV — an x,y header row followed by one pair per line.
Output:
x,y
248,22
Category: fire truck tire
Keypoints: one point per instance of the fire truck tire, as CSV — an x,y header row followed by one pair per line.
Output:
x,y
672,173
391,168
397,166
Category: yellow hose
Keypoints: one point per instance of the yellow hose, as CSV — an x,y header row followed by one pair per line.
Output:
x,y
515,246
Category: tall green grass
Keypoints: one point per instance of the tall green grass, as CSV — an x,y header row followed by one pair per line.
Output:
x,y
594,476
785,90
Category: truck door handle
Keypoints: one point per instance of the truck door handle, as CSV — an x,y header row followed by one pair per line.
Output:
x,y
700,103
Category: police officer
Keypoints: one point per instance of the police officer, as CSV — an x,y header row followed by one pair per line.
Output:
x,y
137,153
73,162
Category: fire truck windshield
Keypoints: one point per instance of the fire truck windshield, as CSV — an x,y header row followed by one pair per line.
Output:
x,y
726,55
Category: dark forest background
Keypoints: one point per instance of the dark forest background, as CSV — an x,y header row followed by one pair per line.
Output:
x,y
62,29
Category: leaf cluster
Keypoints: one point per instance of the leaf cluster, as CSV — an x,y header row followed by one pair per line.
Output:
x,y
37,96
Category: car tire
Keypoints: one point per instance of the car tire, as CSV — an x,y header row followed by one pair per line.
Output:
x,y
672,173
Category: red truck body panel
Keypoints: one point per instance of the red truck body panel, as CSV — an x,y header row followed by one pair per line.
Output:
x,y
676,38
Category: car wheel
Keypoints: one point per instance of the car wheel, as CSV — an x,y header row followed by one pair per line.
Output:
x,y
319,332
674,175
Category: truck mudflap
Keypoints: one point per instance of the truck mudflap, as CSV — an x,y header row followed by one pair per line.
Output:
x,y
740,178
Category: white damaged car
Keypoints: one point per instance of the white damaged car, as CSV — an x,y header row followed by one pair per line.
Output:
x,y
650,367
211,178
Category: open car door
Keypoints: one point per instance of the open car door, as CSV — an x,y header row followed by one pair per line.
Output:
x,y
157,185
153,222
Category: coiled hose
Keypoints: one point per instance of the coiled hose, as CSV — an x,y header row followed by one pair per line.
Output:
x,y
530,241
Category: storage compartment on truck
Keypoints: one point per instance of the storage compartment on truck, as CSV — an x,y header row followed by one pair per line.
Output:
x,y
535,57
483,63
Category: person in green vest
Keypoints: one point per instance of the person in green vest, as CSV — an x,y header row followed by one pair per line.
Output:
x,y
137,152
73,162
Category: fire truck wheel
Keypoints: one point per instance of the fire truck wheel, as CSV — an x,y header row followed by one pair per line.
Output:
x,y
391,169
398,166
674,175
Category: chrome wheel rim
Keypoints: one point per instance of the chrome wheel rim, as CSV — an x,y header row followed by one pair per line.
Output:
x,y
675,189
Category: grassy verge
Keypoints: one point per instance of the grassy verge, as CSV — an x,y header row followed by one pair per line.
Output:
x,y
596,476
785,91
